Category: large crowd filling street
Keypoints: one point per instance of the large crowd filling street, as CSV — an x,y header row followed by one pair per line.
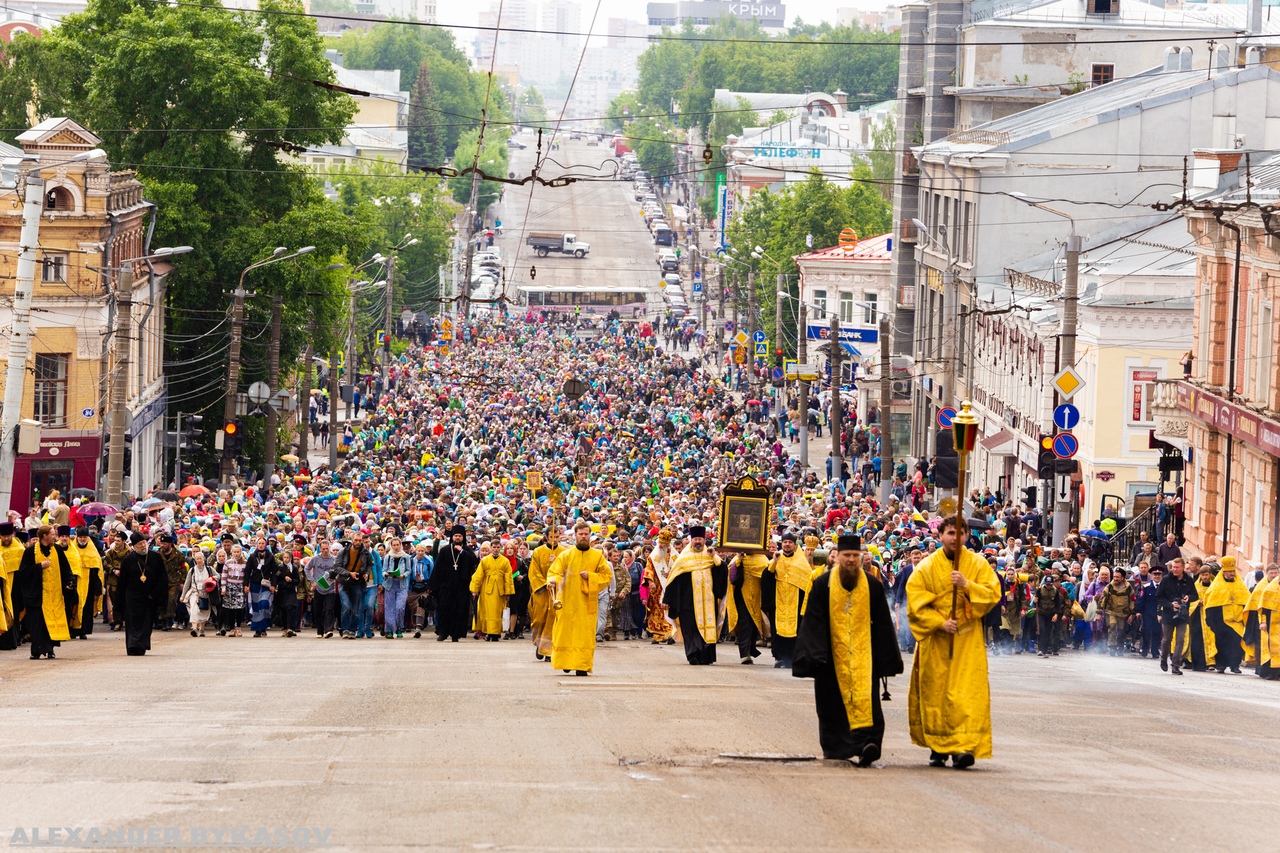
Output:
x,y
476,501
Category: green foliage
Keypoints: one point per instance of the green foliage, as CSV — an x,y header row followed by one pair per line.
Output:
x,y
333,7
492,161
780,222
530,109
623,108
884,143
460,93
654,146
426,126
207,97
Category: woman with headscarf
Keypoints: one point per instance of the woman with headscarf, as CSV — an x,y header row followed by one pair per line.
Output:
x,y
260,573
235,592
201,580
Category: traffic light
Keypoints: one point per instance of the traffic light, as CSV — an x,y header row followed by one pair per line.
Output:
x,y
128,455
778,356
1045,464
190,431
946,467
1029,496
233,439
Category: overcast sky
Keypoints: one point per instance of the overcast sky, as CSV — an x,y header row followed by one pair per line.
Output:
x,y
811,11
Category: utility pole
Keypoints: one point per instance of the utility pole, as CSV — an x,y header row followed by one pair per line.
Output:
x,y
119,387
736,321
1067,358
802,353
777,341
886,416
387,319
273,381
177,452
233,376
751,323
333,413
836,415
304,411
720,323
20,339
352,373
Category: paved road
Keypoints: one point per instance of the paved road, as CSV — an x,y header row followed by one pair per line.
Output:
x,y
424,746
603,213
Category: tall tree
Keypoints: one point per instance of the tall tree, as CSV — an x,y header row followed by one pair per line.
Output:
x,y
426,143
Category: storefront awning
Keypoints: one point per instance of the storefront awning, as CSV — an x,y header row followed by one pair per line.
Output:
x,y
992,442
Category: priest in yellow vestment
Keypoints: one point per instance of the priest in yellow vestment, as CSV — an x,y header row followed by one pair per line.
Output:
x,y
698,580
745,574
492,585
793,569
542,616
1224,605
43,579
85,560
949,706
10,558
847,643
1269,624
575,579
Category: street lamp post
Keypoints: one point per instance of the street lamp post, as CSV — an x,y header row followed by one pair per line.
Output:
x,y
237,324
1067,344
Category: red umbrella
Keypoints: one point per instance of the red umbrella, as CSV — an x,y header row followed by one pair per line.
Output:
x,y
753,402
193,491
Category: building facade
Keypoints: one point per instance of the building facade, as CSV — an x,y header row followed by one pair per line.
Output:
x,y
94,219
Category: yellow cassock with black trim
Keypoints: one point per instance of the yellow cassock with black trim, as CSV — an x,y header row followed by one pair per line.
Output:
x,y
573,637
949,706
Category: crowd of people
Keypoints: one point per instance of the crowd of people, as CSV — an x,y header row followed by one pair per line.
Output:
x,y
481,496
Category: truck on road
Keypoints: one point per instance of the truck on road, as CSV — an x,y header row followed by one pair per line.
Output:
x,y
568,244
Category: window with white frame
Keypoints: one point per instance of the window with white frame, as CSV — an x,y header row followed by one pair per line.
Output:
x,y
51,389
820,305
846,307
871,313
1141,390
53,267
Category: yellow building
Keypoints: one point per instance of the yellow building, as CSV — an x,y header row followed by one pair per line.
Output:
x,y
94,219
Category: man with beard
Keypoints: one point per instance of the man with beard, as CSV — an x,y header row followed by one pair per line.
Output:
x,y
542,616
43,581
575,579
794,573
86,563
698,581
11,553
144,590
451,584
1224,605
847,643
949,706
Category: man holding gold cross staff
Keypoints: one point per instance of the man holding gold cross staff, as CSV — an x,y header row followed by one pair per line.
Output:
x,y
949,706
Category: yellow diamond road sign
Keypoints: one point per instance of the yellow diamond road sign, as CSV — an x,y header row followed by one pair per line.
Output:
x,y
1068,382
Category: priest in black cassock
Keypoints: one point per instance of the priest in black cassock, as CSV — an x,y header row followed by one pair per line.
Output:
x,y
846,644
451,584
40,587
144,588
699,579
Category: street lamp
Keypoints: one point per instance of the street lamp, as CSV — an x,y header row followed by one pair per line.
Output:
x,y
280,253
1066,335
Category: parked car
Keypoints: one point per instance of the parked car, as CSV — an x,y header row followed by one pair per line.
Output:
x,y
515,143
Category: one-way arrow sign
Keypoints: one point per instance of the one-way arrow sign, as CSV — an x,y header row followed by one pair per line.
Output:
x,y
1062,488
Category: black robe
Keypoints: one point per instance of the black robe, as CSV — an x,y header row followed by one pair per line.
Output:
x,y
142,599
451,584
28,594
813,659
1230,653
678,597
746,633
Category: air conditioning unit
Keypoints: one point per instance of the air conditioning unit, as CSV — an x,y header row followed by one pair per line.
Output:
x,y
29,437
902,388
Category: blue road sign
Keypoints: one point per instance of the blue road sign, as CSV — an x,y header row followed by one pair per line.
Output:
x,y
697,287
946,415
777,374
729,326
1065,445
1066,416
758,336
762,348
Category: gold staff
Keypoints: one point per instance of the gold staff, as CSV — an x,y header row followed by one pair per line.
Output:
x,y
964,436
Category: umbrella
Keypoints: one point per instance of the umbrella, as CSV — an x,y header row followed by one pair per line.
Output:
x,y
977,523
84,493
165,495
289,457
150,503
98,508
1095,533
193,491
